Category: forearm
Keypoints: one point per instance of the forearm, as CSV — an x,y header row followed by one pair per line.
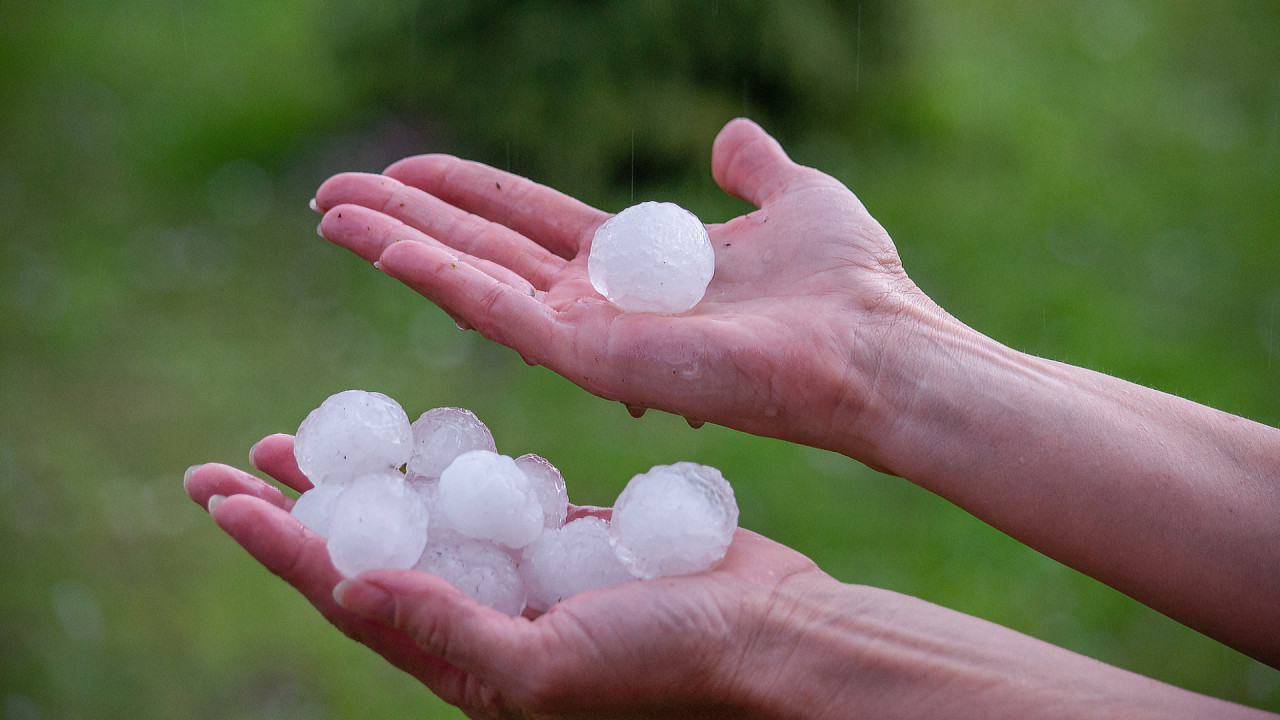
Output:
x,y
1171,502
850,650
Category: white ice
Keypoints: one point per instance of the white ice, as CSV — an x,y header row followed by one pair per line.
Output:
x,y
548,483
480,569
314,508
352,433
566,561
378,522
489,524
486,496
652,257
428,492
674,520
441,435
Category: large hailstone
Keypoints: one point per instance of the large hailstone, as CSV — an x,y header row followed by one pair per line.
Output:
x,y
652,257
377,522
486,496
314,508
442,434
352,433
548,485
567,560
480,569
674,520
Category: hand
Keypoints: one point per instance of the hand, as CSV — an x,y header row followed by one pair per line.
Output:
x,y
811,332
646,647
763,634
785,343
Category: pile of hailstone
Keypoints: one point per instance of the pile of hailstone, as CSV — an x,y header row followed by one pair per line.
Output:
x,y
652,257
436,496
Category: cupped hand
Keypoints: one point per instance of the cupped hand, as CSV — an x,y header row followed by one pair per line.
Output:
x,y
657,648
786,342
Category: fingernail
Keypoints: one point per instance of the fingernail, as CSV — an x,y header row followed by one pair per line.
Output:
x,y
318,230
377,265
314,207
253,451
186,477
214,502
364,599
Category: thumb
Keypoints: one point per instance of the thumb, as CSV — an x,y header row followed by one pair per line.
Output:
x,y
749,164
438,617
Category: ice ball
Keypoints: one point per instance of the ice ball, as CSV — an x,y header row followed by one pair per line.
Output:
x,y
352,433
571,559
314,508
441,435
486,496
549,486
428,492
480,569
378,522
674,520
653,257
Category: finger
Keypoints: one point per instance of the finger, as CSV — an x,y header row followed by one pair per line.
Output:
x,y
450,225
749,164
280,542
443,621
273,455
510,315
363,231
299,557
581,511
550,218
369,233
204,481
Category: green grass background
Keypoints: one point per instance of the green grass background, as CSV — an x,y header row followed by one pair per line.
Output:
x,y
1095,182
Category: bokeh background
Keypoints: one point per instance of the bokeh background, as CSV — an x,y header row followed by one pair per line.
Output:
x,y
1095,182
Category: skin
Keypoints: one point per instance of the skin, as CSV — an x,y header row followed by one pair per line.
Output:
x,y
765,634
810,332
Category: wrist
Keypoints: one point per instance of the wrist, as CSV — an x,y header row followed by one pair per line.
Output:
x,y
825,649
902,353
1077,464
771,675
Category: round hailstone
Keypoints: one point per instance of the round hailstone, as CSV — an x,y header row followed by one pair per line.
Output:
x,y
486,496
674,520
428,492
314,508
568,560
352,433
378,522
652,257
442,434
548,483
480,569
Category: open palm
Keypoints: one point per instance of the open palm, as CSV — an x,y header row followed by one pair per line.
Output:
x,y
638,649
799,282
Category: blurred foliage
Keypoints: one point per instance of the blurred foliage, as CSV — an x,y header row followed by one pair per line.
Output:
x,y
1095,182
567,92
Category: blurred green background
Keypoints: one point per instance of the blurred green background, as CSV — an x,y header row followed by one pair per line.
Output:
x,y
1095,182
